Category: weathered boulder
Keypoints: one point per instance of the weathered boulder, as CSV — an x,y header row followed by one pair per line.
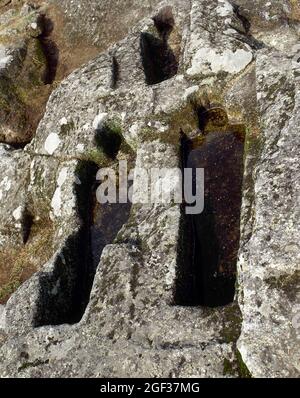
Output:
x,y
72,320
269,253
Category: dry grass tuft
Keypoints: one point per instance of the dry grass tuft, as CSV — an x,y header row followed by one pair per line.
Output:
x,y
17,264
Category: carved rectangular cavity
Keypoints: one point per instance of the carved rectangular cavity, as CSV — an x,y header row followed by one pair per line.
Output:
x,y
158,59
65,292
209,241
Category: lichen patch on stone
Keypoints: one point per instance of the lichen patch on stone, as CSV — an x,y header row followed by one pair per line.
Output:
x,y
208,60
52,143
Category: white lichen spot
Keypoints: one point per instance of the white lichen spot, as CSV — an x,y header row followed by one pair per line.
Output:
x,y
56,202
207,60
99,121
63,121
52,143
34,25
17,214
62,176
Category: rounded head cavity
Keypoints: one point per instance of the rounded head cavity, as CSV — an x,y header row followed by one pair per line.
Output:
x,y
212,117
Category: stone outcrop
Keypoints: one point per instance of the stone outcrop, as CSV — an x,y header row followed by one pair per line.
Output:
x,y
72,319
23,65
269,256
